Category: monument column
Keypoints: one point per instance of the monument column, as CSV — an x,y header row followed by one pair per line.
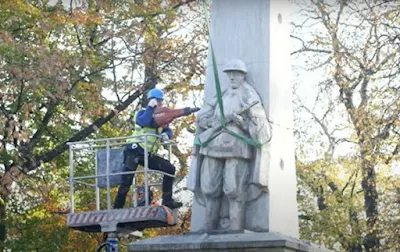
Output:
x,y
257,32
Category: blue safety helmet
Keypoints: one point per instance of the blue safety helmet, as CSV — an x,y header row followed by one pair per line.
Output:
x,y
155,93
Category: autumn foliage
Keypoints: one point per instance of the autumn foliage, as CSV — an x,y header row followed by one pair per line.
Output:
x,y
75,70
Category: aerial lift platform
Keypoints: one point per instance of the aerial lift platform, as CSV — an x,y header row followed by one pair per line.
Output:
x,y
106,157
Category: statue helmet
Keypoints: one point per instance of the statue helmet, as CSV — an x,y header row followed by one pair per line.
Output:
x,y
235,65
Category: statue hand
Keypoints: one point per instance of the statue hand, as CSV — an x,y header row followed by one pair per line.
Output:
x,y
238,119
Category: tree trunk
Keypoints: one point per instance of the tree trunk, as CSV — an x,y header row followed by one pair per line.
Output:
x,y
355,246
150,80
371,240
3,235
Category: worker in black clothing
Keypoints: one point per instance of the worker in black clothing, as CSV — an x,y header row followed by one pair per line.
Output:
x,y
134,152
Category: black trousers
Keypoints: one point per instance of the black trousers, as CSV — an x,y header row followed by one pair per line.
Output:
x,y
132,158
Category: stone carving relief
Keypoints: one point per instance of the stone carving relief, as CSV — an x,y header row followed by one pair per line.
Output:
x,y
228,175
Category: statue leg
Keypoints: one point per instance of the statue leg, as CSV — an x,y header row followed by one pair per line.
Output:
x,y
236,177
211,186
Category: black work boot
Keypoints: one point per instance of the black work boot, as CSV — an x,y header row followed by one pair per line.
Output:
x,y
169,202
172,204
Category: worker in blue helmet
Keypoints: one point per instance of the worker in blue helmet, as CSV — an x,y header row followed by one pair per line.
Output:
x,y
134,152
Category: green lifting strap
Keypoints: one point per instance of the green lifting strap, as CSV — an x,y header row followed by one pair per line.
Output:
x,y
218,88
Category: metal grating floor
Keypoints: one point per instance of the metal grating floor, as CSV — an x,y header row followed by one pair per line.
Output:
x,y
123,220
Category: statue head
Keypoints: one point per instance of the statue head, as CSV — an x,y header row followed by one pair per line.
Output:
x,y
236,71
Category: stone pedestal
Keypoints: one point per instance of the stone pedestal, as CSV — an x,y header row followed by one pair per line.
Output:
x,y
227,242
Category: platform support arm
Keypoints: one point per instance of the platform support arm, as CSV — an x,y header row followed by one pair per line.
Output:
x,y
146,167
71,178
108,174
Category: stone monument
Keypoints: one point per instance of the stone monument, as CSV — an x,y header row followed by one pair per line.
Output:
x,y
229,174
244,192
257,33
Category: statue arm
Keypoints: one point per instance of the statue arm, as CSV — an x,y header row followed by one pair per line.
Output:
x,y
205,116
258,124
241,120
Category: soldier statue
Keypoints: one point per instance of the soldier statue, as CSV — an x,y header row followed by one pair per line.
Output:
x,y
228,171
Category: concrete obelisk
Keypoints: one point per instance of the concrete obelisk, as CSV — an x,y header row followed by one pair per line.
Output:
x,y
257,32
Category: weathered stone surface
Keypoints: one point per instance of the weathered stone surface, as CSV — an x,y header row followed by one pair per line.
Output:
x,y
256,32
230,172
228,242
